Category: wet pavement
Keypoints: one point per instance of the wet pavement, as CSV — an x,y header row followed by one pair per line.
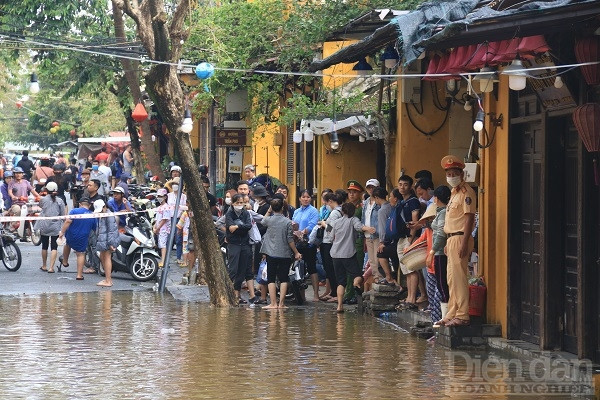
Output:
x,y
67,339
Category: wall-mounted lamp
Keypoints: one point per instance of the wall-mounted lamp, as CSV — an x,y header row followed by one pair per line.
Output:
x,y
34,85
362,67
390,57
335,142
517,75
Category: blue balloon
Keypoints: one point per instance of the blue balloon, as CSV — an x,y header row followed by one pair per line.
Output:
x,y
205,70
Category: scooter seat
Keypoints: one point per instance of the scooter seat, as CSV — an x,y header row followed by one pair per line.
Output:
x,y
126,239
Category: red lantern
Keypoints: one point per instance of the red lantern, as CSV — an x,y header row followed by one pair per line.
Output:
x,y
72,132
55,123
19,104
588,50
139,113
587,122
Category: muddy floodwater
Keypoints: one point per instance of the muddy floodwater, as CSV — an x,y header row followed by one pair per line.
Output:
x,y
124,345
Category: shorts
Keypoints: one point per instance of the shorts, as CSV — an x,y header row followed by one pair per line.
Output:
x,y
346,267
163,236
389,252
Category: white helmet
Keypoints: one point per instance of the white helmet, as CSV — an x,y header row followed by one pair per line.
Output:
x,y
175,168
51,187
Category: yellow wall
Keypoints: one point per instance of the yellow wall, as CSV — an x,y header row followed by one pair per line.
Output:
x,y
493,211
413,150
262,152
353,160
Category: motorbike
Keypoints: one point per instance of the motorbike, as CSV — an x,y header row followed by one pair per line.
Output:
x,y
9,251
24,229
135,254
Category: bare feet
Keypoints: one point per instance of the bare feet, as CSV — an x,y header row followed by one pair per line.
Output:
x,y
270,307
104,283
340,310
89,271
283,306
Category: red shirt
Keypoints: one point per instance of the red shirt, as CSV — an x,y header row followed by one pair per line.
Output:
x,y
102,157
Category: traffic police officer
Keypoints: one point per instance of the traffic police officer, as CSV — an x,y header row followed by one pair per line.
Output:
x,y
460,217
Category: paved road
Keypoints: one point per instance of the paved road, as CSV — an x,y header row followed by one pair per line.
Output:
x,y
29,280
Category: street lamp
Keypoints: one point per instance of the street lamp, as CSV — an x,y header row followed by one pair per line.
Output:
x,y
34,86
362,68
188,124
297,136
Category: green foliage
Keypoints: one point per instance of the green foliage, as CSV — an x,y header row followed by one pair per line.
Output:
x,y
268,35
75,87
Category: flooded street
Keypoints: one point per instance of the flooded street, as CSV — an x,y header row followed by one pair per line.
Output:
x,y
139,345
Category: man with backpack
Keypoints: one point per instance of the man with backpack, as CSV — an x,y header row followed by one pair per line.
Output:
x,y
408,213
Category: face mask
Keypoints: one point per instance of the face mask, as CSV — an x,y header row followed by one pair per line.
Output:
x,y
94,167
228,200
238,208
175,188
454,181
160,199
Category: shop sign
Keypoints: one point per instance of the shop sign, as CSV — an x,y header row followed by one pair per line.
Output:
x,y
231,137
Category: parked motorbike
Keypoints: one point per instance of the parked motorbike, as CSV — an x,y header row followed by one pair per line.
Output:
x,y
24,229
136,255
9,251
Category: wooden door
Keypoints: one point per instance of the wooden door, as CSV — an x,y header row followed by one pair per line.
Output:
x,y
569,239
528,268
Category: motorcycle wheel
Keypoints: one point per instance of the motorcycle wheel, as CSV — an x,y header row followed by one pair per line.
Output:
x,y
35,235
91,258
146,270
11,256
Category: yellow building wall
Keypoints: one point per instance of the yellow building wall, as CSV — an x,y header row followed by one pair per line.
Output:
x,y
261,151
353,160
413,150
493,210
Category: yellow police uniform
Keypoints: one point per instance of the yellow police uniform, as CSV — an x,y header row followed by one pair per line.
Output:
x,y
462,202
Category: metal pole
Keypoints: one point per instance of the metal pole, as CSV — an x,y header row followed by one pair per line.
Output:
x,y
165,272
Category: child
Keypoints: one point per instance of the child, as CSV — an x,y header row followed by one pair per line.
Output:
x,y
162,226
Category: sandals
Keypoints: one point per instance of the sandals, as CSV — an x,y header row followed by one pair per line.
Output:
x,y
383,281
61,264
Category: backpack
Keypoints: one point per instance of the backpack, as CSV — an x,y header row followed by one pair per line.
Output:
x,y
391,225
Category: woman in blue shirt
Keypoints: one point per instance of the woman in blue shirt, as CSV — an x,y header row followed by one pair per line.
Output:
x,y
305,218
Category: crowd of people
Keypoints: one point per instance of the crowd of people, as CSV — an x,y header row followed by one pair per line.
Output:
x,y
357,238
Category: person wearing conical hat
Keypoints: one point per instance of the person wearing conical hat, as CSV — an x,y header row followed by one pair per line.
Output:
x,y
458,225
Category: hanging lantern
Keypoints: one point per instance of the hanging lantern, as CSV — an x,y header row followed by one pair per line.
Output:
x,y
204,70
139,113
19,104
587,122
55,123
588,50
72,132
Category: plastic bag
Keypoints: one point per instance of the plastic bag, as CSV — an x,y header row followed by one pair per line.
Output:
x,y
261,278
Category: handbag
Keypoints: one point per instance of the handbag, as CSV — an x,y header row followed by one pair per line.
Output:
x,y
414,259
254,234
261,277
296,270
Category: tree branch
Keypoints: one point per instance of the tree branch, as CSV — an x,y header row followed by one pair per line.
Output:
x,y
378,39
177,31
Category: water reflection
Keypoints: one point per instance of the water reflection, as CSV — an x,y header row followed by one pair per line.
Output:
x,y
142,346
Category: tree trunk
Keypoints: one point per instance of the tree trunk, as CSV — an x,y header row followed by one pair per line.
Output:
x,y
130,68
164,45
163,82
